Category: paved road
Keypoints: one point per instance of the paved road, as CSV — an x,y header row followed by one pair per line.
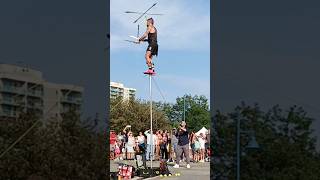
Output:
x,y
198,171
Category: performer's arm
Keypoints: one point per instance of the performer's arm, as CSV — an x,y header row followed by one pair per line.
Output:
x,y
145,34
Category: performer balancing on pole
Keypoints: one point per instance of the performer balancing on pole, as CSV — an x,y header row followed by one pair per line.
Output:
x,y
152,49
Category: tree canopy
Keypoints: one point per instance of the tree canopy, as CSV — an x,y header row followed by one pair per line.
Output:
x,y
137,114
197,112
165,115
54,149
287,148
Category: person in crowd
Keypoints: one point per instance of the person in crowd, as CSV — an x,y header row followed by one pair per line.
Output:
x,y
169,145
125,141
207,146
123,146
113,138
192,140
202,140
196,149
130,146
163,146
158,144
150,145
191,147
141,140
174,144
117,150
183,144
120,137
120,145
209,154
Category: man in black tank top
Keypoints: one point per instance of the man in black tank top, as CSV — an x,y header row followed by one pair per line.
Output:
x,y
152,49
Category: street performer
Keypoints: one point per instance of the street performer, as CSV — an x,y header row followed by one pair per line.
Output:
x,y
152,49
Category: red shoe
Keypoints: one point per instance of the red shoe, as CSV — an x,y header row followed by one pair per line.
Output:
x,y
150,72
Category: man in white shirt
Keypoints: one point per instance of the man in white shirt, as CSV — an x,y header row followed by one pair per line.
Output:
x,y
150,149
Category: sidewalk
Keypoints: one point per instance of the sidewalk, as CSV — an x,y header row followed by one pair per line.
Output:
x,y
198,171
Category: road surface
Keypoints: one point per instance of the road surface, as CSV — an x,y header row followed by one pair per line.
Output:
x,y
198,171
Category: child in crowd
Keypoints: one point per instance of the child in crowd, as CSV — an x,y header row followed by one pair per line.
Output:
x,y
196,149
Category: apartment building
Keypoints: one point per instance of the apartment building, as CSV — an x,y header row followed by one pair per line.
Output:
x,y
23,89
119,90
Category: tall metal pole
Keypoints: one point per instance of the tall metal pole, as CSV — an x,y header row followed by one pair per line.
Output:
x,y
151,131
184,108
238,148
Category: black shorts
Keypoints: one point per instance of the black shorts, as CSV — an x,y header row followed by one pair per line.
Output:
x,y
153,48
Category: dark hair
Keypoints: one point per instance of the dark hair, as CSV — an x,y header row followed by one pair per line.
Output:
x,y
151,20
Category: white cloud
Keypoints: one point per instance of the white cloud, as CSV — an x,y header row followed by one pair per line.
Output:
x,y
185,25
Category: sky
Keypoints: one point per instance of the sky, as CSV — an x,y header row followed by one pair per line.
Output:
x,y
183,62
267,52
65,40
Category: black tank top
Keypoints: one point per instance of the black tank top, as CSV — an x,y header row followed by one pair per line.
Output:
x,y
152,37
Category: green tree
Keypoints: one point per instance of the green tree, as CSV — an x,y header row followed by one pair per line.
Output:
x,y
137,114
21,159
56,149
287,146
197,111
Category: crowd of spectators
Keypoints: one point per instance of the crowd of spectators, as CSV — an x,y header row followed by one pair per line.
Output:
x,y
125,145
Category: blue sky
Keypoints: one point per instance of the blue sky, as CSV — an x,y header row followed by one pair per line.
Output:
x,y
183,64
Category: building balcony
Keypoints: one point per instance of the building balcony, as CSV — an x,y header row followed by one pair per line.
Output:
x,y
12,89
35,93
8,114
71,100
11,101
66,110
35,106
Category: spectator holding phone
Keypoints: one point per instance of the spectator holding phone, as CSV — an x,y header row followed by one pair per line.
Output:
x,y
183,144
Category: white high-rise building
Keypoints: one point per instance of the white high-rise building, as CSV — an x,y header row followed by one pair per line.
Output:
x,y
23,89
119,90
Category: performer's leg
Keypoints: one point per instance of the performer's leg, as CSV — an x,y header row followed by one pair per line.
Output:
x,y
152,65
148,57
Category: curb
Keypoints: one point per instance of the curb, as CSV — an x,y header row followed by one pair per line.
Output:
x,y
138,178
153,177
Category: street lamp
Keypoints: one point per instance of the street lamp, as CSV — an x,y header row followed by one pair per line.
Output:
x,y
251,145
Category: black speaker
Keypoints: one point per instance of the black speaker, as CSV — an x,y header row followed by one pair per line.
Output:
x,y
148,172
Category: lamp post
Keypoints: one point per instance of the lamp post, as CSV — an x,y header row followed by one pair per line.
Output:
x,y
252,144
